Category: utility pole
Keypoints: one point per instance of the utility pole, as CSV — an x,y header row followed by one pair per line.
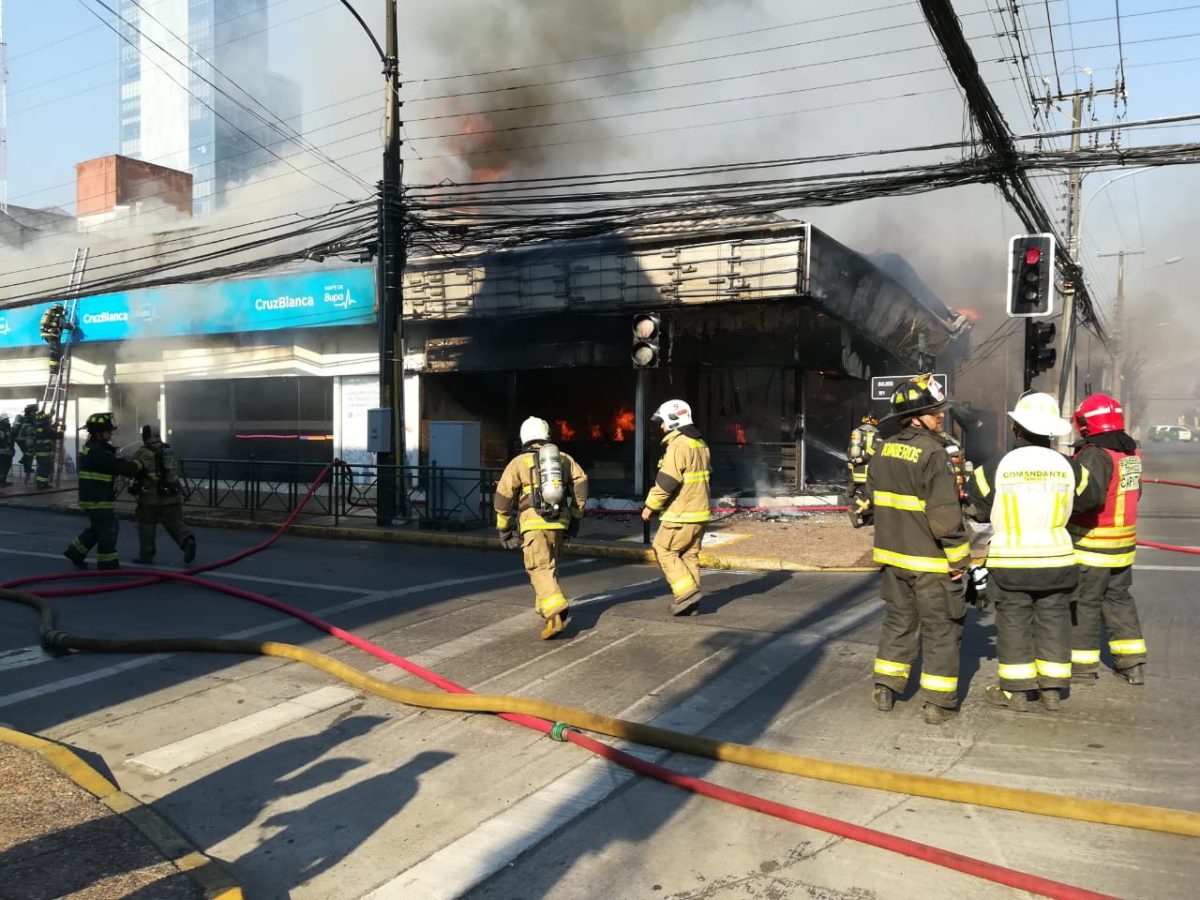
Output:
x,y
1118,326
1066,348
392,495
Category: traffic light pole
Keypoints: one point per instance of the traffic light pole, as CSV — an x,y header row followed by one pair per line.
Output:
x,y
639,445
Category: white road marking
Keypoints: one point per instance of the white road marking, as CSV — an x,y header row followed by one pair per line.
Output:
x,y
494,844
191,750
1140,567
74,681
198,747
22,656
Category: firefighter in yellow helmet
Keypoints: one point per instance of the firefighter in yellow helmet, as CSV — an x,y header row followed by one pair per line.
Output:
x,y
99,467
540,497
680,496
921,543
858,461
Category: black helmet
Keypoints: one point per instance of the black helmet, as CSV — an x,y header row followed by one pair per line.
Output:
x,y
101,421
918,396
30,409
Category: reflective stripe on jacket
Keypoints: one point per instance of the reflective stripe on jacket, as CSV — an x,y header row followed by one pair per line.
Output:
x,y
1033,492
98,466
514,494
918,519
1107,537
680,492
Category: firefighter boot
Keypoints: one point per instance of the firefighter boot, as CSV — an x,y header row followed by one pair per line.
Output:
x,y
1134,674
937,715
1051,699
555,623
75,557
1017,701
189,551
1084,679
883,697
686,606
143,560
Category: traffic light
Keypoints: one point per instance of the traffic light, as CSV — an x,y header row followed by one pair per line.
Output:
x,y
647,334
1031,275
1040,354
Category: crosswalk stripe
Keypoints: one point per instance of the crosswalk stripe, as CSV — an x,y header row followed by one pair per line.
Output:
x,y
199,747
494,844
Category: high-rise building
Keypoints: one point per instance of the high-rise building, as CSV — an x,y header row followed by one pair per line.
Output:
x,y
172,116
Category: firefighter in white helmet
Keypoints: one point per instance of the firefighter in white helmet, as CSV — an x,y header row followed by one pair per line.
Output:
x,y
680,496
541,497
1028,496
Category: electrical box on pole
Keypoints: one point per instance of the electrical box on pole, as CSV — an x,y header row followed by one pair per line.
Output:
x,y
1030,276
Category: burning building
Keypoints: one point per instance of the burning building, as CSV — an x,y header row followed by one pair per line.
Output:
x,y
769,328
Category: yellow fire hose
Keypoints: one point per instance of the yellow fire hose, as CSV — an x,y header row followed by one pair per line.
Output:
x,y
1129,815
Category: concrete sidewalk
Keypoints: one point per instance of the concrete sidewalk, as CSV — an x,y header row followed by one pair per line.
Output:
x,y
772,541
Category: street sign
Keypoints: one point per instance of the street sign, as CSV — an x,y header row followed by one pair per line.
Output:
x,y
884,386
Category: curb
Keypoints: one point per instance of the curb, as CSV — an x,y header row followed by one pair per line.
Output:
x,y
476,542
206,873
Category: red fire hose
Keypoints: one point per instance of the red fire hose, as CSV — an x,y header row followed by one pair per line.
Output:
x,y
1174,548
967,865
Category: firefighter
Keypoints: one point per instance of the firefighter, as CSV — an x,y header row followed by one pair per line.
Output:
x,y
23,435
46,434
858,459
54,320
6,449
1027,496
99,466
921,542
159,498
1105,539
541,494
680,496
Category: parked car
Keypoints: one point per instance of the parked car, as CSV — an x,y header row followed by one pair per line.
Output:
x,y
1161,434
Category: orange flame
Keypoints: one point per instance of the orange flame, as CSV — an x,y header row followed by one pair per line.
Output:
x,y
738,431
971,314
478,138
597,433
565,431
624,422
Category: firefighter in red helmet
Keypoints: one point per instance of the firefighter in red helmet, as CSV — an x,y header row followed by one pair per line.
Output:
x,y
1105,539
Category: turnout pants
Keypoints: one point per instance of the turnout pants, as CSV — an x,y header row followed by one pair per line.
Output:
x,y
541,549
1033,637
1103,596
101,533
924,610
149,517
677,547
27,463
45,469
5,465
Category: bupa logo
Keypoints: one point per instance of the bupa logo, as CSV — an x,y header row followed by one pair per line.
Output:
x,y
147,313
4,329
338,295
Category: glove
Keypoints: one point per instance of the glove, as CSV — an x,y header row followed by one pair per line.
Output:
x,y
509,540
975,587
573,526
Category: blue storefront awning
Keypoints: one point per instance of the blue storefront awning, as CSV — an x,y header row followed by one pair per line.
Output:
x,y
316,299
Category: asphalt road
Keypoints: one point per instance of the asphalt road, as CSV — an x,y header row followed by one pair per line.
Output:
x,y
309,789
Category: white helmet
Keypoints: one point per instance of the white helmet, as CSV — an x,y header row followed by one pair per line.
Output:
x,y
673,414
534,429
1037,413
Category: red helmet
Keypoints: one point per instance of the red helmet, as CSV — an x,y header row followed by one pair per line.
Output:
x,y
1099,413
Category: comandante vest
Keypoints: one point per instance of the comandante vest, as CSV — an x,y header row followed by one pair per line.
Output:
x,y
1034,493
1106,537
